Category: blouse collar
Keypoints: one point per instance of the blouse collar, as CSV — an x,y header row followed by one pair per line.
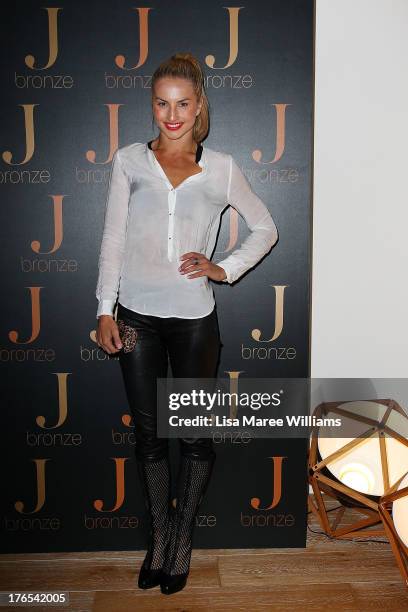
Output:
x,y
199,151
201,160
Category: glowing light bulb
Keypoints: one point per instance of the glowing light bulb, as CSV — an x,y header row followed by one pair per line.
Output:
x,y
357,476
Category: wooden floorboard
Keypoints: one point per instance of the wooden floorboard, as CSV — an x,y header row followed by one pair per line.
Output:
x,y
285,599
328,575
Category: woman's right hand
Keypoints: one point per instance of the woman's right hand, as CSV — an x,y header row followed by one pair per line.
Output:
x,y
107,334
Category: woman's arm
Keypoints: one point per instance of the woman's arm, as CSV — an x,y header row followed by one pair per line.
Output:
x,y
113,239
264,233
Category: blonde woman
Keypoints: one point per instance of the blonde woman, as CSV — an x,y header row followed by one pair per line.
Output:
x,y
163,209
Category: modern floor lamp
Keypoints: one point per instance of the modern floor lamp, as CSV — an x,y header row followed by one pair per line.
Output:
x,y
358,468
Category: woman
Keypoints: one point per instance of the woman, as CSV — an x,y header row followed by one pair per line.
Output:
x,y
162,216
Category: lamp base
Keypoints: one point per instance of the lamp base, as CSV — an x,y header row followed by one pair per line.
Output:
x,y
338,527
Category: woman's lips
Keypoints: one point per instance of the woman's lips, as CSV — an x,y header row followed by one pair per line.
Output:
x,y
173,126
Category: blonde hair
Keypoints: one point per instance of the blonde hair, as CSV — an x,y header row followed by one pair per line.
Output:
x,y
186,66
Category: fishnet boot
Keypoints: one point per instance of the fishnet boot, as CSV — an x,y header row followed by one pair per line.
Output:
x,y
194,476
155,478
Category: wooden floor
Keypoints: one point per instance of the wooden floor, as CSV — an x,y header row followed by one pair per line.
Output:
x,y
327,576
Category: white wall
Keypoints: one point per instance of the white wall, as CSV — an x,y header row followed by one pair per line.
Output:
x,y
360,218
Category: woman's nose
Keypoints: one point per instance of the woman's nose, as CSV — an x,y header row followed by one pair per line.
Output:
x,y
172,114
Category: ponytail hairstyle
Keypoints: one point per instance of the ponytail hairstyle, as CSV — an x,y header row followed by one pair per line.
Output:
x,y
186,66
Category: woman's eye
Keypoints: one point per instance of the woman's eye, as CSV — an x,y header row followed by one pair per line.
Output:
x,y
183,104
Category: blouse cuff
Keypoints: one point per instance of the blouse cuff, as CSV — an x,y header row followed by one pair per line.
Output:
x,y
227,269
105,307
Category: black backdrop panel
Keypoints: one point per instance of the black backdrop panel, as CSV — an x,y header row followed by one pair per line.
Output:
x,y
76,85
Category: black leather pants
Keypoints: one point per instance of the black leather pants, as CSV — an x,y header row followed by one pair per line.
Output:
x,y
191,345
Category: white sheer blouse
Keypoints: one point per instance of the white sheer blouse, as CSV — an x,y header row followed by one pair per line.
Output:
x,y
149,224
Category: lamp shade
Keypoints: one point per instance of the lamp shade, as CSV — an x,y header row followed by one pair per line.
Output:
x,y
393,509
400,513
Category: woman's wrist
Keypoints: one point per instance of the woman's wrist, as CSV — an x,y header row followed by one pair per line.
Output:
x,y
104,316
224,274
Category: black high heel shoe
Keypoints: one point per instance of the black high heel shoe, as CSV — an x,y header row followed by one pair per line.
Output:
x,y
149,578
155,479
171,584
194,476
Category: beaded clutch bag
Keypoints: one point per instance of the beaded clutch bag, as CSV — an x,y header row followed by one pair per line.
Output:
x,y
128,335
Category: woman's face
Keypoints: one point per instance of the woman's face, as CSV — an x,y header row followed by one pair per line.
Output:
x,y
175,106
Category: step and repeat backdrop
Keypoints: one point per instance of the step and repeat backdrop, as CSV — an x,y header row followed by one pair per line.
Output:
x,y
76,85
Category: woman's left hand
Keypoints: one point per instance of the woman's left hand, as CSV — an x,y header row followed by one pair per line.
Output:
x,y
196,264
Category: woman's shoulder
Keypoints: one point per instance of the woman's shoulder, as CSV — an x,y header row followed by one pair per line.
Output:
x,y
131,156
216,155
131,150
